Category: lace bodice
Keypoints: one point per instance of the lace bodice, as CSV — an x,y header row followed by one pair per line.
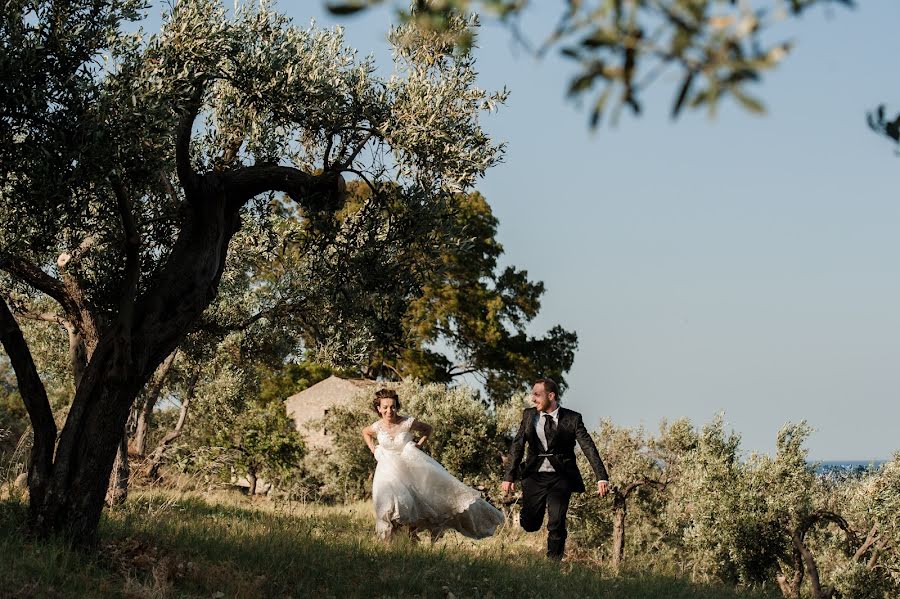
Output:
x,y
395,438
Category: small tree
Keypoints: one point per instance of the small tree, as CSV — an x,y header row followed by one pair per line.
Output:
x,y
869,568
704,503
642,467
773,518
263,442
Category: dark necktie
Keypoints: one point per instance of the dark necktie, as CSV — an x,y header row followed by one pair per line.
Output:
x,y
549,428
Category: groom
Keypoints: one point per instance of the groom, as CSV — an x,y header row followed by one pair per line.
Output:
x,y
550,474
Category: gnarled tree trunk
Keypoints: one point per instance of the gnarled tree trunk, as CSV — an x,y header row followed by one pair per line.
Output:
x,y
251,477
68,489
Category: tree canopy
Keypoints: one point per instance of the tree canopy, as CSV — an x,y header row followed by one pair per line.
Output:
x,y
464,314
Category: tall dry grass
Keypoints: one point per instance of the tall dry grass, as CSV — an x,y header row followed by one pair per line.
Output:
x,y
163,544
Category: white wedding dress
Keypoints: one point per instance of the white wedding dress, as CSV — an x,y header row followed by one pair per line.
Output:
x,y
411,488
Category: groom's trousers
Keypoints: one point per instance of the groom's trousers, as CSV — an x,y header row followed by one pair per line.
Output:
x,y
546,492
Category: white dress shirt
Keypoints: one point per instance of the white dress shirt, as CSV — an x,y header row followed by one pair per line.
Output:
x,y
546,466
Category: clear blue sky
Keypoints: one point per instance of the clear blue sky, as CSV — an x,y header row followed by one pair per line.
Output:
x,y
749,265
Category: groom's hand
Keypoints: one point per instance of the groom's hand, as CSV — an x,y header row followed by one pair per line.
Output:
x,y
508,487
602,488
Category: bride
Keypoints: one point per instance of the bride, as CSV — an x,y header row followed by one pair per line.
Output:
x,y
412,489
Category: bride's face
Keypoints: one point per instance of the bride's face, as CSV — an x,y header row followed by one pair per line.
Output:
x,y
387,408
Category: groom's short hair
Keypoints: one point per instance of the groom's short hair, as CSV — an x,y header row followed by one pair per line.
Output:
x,y
550,386
385,394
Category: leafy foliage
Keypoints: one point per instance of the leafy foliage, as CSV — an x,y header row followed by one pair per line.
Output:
x,y
13,417
292,377
263,442
715,47
465,304
883,125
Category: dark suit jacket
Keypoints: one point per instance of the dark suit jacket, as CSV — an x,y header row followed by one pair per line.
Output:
x,y
569,428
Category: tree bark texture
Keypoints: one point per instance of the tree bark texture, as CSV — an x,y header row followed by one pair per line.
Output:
x,y
117,492
34,395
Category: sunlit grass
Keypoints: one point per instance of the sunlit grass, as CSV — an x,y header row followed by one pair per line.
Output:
x,y
162,544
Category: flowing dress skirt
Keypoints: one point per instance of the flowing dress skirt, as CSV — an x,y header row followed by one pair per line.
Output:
x,y
411,488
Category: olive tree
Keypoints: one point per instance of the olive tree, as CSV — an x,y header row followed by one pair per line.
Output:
x,y
129,161
772,518
642,468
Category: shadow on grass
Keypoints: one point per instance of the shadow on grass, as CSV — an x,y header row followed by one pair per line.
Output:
x,y
190,548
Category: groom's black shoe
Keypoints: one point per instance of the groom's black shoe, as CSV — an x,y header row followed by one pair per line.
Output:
x,y
556,549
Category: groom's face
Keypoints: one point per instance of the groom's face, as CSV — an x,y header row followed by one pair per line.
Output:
x,y
543,401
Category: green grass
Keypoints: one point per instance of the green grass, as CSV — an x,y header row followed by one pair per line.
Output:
x,y
166,545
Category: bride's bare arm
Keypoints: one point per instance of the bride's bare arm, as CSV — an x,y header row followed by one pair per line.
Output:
x,y
424,431
369,437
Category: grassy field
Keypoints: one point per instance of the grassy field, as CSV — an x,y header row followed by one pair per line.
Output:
x,y
166,545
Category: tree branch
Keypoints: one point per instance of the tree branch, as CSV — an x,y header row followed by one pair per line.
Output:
x,y
132,254
229,153
347,162
34,396
871,538
151,469
77,352
797,539
453,372
169,188
186,175
631,487
365,178
29,273
145,408
43,317
314,193
810,563
882,544
67,258
839,521
326,163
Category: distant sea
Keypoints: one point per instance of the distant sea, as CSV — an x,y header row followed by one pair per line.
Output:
x,y
847,466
